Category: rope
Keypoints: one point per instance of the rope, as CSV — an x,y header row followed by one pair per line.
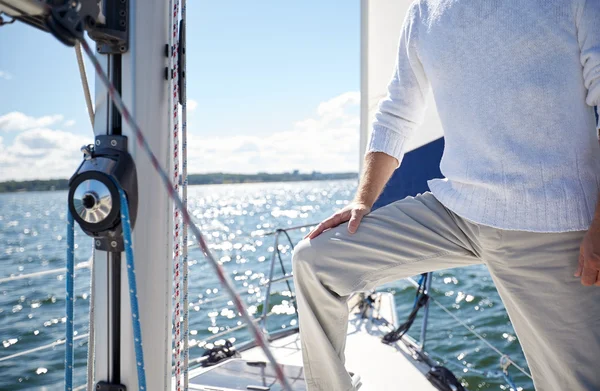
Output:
x,y
421,299
220,272
177,260
70,302
186,309
84,82
133,298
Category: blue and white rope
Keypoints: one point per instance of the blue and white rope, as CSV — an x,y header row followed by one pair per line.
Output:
x,y
133,299
135,314
70,302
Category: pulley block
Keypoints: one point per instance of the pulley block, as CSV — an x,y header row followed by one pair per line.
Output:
x,y
94,195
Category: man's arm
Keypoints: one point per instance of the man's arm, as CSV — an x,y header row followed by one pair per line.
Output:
x,y
589,253
378,169
588,35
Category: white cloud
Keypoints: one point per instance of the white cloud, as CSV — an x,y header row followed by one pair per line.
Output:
x,y
5,75
18,121
327,141
41,153
191,104
69,123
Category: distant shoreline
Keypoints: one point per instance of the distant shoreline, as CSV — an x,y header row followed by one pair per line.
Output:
x,y
193,179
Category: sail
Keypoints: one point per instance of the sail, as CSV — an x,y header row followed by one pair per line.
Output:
x,y
381,23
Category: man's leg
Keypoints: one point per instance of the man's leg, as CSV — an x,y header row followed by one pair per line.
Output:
x,y
406,238
556,318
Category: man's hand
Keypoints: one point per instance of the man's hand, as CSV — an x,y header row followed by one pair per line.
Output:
x,y
589,256
378,169
353,213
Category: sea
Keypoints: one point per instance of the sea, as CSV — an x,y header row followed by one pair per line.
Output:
x,y
234,218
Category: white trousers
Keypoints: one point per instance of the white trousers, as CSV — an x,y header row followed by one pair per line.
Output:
x,y
556,318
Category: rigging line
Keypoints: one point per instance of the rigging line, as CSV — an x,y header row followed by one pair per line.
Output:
x,y
164,177
80,265
184,185
177,259
69,302
270,233
480,337
39,348
84,82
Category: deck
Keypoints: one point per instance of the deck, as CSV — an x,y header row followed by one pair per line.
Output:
x,y
381,367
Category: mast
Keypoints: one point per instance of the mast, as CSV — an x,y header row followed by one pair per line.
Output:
x,y
140,74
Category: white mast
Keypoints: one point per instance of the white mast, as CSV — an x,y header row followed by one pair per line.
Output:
x,y
145,91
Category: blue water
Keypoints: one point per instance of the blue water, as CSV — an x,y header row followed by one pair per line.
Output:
x,y
32,239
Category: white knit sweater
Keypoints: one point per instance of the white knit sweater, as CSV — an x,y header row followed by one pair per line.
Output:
x,y
515,82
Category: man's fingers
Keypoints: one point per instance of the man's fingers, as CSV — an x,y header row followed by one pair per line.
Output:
x,y
355,220
589,276
331,222
317,231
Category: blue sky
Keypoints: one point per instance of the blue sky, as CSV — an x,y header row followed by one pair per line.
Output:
x,y
274,87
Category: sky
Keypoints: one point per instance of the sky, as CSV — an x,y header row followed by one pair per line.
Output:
x,y
273,86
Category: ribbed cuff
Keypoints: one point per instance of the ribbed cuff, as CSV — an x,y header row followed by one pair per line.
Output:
x,y
387,141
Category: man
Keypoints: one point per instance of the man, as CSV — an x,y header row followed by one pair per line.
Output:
x,y
515,83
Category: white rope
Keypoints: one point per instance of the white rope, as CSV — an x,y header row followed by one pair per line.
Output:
x,y
502,355
177,220
44,347
84,82
80,265
184,182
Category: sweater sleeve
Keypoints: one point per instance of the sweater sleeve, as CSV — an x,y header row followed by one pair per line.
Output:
x,y
588,34
402,111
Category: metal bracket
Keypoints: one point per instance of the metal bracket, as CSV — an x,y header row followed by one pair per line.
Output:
x,y
104,386
106,22
113,36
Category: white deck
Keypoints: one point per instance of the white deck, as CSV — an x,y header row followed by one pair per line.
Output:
x,y
381,367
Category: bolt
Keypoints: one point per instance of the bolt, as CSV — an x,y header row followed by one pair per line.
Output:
x,y
97,243
113,143
113,243
123,49
97,142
